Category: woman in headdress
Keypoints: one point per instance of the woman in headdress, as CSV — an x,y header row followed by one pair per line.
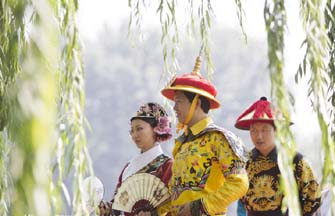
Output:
x,y
149,127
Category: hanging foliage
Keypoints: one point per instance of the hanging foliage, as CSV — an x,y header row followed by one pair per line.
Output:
x,y
11,45
275,22
240,15
31,61
318,67
5,183
32,123
200,11
170,36
204,13
330,27
72,153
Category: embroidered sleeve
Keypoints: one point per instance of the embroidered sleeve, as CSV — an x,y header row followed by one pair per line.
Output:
x,y
228,172
309,189
165,176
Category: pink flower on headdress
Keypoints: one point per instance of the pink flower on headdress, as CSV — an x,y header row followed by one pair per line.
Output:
x,y
163,128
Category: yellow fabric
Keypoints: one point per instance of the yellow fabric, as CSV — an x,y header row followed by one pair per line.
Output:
x,y
308,187
264,194
163,209
201,125
206,168
184,125
235,187
195,129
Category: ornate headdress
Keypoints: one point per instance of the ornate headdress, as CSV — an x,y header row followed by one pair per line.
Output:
x,y
156,112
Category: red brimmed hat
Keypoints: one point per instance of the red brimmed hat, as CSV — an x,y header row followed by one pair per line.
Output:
x,y
261,111
194,83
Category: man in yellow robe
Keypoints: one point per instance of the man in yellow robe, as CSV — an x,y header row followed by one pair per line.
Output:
x,y
208,172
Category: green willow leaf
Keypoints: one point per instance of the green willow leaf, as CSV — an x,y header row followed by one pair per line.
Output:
x,y
72,137
11,39
32,122
240,13
318,21
275,21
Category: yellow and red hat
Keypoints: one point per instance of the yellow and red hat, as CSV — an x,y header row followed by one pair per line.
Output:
x,y
194,83
260,111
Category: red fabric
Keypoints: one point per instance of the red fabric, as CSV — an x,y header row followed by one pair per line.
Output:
x,y
194,82
263,108
262,113
165,172
197,82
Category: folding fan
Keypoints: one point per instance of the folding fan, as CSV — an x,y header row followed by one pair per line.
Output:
x,y
141,191
93,191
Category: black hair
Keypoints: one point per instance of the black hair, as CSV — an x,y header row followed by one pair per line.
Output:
x,y
152,121
205,105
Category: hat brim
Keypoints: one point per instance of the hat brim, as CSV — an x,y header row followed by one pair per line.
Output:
x,y
245,124
168,92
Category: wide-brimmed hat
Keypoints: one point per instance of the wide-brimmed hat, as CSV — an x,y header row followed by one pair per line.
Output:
x,y
260,111
195,83
157,113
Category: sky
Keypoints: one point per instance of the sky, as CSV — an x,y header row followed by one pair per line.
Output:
x,y
93,16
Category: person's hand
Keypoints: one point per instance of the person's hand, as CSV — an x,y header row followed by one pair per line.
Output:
x,y
105,208
142,213
185,210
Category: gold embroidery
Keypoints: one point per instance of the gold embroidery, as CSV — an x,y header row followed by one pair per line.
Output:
x,y
263,195
303,168
259,166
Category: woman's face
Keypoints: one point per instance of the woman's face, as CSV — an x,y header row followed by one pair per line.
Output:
x,y
263,137
142,134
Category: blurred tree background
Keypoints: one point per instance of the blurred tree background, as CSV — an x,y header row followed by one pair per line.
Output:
x,y
49,105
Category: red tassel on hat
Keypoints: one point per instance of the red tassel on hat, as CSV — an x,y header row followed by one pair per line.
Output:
x,y
260,111
263,108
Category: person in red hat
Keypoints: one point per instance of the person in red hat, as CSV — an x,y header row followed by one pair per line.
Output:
x,y
208,172
264,197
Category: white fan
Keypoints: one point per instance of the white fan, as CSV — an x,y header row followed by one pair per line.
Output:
x,y
140,190
93,191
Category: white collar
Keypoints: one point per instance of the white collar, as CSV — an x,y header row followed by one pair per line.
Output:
x,y
141,161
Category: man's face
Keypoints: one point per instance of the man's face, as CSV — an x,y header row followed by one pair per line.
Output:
x,y
263,136
181,106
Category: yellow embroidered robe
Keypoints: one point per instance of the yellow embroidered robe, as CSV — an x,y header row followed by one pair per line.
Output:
x,y
208,169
